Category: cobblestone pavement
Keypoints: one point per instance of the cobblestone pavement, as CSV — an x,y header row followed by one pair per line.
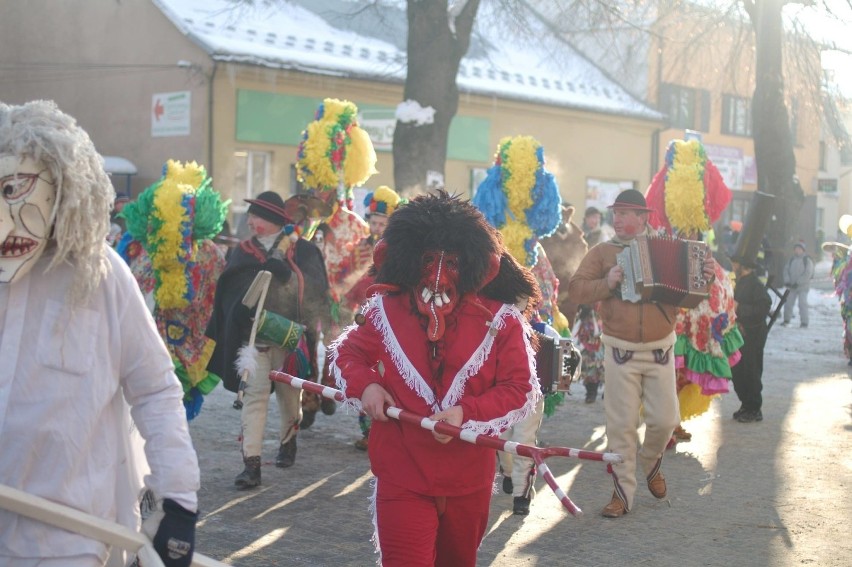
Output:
x,y
774,493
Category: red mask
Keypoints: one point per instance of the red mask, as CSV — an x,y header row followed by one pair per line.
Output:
x,y
436,294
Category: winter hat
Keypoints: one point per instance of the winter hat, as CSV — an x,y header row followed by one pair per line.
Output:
x,y
801,244
688,194
382,201
519,197
269,206
630,200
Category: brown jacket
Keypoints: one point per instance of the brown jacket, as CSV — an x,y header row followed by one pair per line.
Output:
x,y
631,322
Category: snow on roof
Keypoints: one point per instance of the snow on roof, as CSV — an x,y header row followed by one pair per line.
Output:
x,y
343,38
119,165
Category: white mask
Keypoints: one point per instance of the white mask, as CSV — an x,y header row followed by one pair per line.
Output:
x,y
27,198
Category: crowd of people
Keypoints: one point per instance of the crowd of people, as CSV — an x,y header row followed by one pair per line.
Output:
x,y
437,305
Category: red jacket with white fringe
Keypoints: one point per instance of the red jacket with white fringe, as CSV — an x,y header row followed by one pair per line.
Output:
x,y
488,369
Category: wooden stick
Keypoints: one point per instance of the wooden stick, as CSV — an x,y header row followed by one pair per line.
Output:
x,y
99,529
262,279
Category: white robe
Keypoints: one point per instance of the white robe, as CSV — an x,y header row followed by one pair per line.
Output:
x,y
67,379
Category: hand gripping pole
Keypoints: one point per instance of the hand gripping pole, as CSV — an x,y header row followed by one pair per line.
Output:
x,y
537,454
90,526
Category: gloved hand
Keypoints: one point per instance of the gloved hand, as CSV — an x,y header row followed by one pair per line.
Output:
x,y
172,530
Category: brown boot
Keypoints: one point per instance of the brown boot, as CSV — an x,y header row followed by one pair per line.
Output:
x,y
615,508
657,485
682,434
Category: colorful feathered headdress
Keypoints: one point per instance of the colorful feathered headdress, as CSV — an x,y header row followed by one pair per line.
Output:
x,y
335,154
167,219
382,201
520,197
688,194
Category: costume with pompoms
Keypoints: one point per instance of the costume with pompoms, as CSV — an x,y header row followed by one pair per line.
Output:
x,y
169,247
688,195
520,198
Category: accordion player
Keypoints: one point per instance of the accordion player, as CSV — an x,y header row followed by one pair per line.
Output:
x,y
664,270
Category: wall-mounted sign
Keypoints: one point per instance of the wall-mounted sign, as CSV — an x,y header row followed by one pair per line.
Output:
x,y
170,114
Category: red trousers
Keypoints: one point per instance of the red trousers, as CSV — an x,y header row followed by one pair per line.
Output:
x,y
441,531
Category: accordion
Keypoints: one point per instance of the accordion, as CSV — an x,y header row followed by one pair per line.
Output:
x,y
557,363
664,270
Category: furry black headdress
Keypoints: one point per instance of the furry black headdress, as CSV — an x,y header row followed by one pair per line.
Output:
x,y
444,222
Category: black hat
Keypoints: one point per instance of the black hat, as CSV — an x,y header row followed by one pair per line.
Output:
x,y
269,206
591,211
631,200
746,263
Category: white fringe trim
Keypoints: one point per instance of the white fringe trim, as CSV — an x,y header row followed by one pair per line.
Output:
x,y
246,360
374,484
351,405
477,360
498,425
403,365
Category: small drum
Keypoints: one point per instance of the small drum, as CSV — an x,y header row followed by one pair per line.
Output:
x,y
557,363
278,330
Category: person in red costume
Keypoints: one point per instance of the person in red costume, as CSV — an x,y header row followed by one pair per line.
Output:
x,y
443,335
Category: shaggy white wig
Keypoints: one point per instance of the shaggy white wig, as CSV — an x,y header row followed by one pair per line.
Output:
x,y
84,194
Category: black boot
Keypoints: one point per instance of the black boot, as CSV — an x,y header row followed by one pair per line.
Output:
x,y
591,392
250,477
286,454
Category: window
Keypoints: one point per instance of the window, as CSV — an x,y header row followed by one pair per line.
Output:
x,y
251,173
736,115
687,108
822,155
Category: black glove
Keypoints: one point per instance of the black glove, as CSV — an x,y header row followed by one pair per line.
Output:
x,y
174,538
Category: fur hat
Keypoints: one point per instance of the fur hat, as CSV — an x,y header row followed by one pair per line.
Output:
x,y
444,222
269,206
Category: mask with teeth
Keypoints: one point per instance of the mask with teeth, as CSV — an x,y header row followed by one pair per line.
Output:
x,y
437,293
27,199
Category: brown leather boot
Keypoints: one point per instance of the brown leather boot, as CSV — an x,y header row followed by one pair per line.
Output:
x,y
615,508
657,485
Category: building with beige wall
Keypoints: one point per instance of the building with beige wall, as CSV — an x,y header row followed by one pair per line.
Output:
x,y
233,88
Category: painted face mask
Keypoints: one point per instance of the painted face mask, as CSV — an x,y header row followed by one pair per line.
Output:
x,y
437,293
27,197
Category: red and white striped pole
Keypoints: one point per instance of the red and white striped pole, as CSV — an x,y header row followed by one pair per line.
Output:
x,y
537,454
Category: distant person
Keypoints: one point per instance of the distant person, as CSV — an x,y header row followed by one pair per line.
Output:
x,y
797,278
753,306
595,230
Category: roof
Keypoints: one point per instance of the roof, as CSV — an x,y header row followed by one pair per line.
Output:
x,y
119,165
359,40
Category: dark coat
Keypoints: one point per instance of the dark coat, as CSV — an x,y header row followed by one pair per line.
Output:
x,y
231,321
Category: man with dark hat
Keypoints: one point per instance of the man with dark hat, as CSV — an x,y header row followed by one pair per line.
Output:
x,y
297,292
440,336
639,359
753,306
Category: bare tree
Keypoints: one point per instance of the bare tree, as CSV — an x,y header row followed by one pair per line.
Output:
x,y
438,38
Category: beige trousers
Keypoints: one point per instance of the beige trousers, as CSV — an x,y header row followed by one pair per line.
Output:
x,y
525,431
642,380
256,404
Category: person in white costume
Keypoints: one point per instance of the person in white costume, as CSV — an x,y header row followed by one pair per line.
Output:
x,y
81,356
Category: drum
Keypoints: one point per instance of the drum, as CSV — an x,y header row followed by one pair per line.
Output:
x,y
557,363
278,330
